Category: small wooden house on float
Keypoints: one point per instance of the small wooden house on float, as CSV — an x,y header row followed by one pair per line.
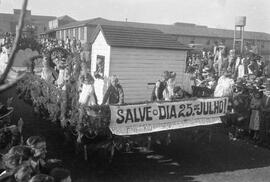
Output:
x,y
138,57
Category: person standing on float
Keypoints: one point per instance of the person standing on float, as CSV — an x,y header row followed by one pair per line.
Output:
x,y
115,93
87,96
168,92
99,80
160,86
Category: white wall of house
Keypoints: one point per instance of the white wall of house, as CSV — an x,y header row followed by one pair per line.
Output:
x,y
137,67
101,48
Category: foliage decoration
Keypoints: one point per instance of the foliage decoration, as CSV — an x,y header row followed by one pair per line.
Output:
x,y
57,105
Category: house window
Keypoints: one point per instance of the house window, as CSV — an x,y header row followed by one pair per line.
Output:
x,y
82,33
99,73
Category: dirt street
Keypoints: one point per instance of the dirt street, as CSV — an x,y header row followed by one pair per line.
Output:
x,y
190,156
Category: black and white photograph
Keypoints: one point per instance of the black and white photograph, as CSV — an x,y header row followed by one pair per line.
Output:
x,y
134,91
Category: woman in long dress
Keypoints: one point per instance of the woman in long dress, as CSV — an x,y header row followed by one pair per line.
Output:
x,y
255,106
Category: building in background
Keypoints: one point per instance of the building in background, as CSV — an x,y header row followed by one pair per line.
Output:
x,y
34,23
56,23
186,33
60,21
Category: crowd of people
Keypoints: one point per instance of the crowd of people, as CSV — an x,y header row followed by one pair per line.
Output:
x,y
70,44
244,78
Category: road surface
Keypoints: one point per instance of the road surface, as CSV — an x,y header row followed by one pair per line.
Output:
x,y
189,158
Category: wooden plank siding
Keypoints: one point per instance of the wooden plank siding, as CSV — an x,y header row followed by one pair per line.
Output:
x,y
137,67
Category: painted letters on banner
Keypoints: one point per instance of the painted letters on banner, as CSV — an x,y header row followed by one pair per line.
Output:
x,y
153,117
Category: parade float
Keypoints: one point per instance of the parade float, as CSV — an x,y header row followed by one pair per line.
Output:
x,y
107,126
138,57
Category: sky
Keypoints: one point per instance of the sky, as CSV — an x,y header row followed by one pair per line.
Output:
x,y
212,13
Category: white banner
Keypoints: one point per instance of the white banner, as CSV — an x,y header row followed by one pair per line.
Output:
x,y
153,117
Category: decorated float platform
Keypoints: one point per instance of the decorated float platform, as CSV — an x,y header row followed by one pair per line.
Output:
x,y
127,119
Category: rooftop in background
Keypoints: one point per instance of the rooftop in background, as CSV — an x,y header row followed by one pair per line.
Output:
x,y
66,17
8,22
60,21
178,28
17,12
120,36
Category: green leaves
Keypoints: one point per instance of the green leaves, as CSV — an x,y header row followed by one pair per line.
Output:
x,y
59,105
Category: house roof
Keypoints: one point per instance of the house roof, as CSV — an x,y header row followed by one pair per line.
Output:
x,y
119,36
186,29
66,17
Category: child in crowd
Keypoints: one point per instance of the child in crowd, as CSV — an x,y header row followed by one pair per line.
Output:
x,y
255,106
